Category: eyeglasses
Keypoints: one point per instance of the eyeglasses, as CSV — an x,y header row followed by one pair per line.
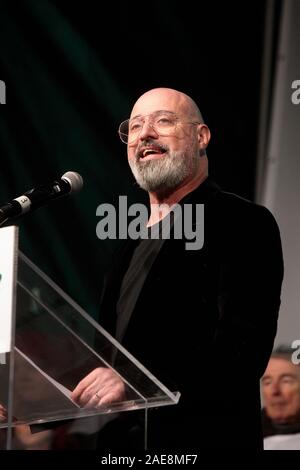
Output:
x,y
162,122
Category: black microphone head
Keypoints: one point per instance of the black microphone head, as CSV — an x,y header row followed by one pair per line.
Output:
x,y
74,179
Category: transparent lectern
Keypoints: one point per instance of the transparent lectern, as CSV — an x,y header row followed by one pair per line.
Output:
x,y
54,345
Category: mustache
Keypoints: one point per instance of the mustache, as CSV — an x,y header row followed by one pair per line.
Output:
x,y
149,143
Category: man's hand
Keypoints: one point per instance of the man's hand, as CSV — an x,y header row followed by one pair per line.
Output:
x,y
101,387
3,414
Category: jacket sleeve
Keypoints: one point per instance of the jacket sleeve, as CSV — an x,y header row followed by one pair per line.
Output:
x,y
249,294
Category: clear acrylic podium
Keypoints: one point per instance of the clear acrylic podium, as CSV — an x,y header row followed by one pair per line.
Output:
x,y
56,344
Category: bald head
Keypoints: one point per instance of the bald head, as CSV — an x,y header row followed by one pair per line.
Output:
x,y
169,100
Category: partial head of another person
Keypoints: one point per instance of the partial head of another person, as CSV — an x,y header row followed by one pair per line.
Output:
x,y
281,388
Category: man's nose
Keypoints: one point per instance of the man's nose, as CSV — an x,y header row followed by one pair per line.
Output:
x,y
275,388
148,131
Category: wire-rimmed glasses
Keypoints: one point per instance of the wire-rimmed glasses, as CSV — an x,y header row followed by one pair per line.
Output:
x,y
164,123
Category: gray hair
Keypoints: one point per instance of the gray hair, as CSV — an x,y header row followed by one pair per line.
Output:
x,y
283,351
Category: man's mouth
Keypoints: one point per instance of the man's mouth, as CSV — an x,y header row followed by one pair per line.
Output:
x,y
278,404
151,152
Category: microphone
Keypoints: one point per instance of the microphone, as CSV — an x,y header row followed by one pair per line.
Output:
x,y
70,182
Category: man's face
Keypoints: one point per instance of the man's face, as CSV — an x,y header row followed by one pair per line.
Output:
x,y
281,391
163,162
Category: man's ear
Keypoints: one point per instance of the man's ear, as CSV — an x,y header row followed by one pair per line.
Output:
x,y
203,135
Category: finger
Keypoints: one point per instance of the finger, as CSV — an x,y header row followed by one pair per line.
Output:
x,y
76,393
83,385
92,402
94,390
87,395
109,398
3,413
112,394
87,381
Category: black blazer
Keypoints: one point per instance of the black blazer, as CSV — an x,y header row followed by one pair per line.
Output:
x,y
204,324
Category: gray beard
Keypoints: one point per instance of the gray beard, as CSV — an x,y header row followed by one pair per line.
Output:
x,y
167,173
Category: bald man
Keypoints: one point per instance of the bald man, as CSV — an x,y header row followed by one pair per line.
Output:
x,y
193,317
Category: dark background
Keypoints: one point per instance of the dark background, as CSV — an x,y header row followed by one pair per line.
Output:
x,y
73,72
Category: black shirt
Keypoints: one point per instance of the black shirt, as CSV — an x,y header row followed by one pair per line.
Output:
x,y
143,257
